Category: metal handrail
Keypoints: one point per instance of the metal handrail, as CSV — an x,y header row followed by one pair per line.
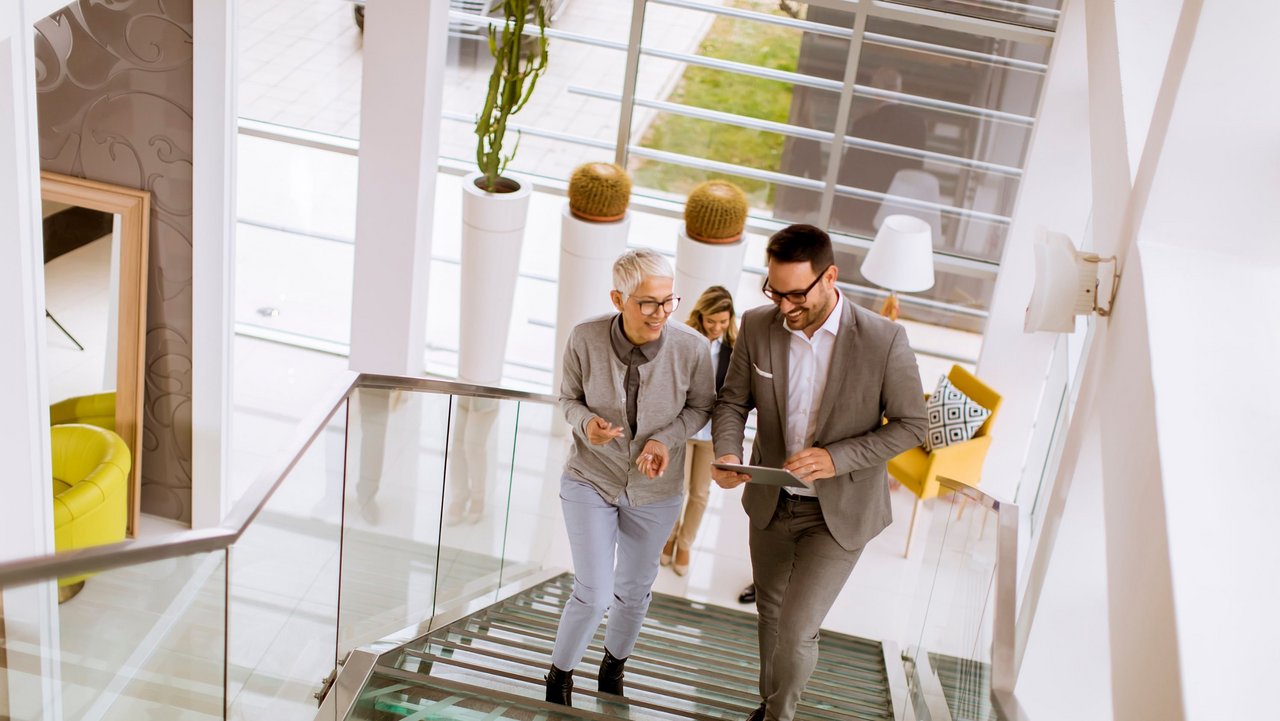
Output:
x,y
207,540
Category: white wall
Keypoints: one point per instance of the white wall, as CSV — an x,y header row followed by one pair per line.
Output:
x,y
1070,637
1054,195
1180,381
1212,283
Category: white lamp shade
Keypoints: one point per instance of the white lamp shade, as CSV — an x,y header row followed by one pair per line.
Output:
x,y
901,258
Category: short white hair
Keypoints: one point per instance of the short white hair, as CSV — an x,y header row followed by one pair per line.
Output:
x,y
633,266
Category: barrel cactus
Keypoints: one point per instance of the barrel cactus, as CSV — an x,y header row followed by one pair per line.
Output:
x,y
599,192
716,212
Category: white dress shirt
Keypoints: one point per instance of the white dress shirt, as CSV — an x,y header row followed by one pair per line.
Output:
x,y
705,433
808,363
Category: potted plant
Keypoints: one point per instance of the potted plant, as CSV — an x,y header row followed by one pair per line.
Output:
x,y
710,248
495,205
593,232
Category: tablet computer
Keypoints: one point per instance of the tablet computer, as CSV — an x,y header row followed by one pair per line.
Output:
x,y
762,474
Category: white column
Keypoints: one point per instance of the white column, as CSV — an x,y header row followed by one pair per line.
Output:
x,y
212,256
404,60
1210,272
1054,194
26,515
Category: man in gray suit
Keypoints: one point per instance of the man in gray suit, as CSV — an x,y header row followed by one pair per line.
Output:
x,y
823,374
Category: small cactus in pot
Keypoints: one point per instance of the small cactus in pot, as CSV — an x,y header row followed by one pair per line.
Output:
x,y
716,212
599,192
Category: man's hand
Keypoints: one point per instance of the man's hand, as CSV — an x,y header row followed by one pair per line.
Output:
x,y
728,479
811,464
653,459
600,431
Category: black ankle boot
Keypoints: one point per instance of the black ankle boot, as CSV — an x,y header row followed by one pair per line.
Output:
x,y
559,686
611,674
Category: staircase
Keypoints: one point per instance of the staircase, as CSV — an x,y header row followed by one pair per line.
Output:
x,y
692,661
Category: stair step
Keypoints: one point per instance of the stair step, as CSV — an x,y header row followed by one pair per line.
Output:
x,y
692,661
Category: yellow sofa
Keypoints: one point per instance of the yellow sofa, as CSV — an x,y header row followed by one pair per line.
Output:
x,y
98,410
90,489
918,471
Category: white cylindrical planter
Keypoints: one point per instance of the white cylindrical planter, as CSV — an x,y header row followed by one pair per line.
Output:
x,y
492,235
587,252
701,265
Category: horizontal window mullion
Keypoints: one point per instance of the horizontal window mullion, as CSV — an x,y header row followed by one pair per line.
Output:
x,y
852,141
755,71
718,116
960,53
851,192
532,30
716,166
921,101
789,22
537,132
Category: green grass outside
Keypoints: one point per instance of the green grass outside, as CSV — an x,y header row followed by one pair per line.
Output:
x,y
743,41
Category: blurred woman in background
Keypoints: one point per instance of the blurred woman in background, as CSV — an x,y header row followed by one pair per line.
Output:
x,y
713,316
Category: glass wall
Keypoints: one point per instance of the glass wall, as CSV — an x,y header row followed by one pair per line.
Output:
x,y
929,103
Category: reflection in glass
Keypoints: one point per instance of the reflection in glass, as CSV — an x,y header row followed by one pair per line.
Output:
x,y
396,444
477,493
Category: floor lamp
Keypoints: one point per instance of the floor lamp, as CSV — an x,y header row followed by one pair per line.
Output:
x,y
900,259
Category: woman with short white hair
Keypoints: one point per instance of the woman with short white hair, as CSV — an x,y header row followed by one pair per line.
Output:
x,y
635,389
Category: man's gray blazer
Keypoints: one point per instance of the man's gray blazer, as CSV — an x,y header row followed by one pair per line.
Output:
x,y
873,376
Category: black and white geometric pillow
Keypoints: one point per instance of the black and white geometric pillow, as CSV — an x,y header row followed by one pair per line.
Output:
x,y
953,416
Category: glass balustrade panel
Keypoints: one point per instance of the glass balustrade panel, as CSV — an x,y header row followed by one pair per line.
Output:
x,y
140,641
396,452
948,654
283,587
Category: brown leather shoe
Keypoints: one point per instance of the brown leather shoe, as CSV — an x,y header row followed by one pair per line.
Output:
x,y
757,715
748,594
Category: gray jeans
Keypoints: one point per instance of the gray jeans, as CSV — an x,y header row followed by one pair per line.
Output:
x,y
799,570
615,561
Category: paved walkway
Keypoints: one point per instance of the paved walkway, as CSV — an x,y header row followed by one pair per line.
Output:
x,y
301,63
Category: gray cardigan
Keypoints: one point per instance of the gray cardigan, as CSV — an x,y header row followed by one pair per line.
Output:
x,y
677,390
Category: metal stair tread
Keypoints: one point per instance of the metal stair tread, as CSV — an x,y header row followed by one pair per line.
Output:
x,y
692,661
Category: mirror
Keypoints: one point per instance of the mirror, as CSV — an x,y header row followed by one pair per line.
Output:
x,y
95,253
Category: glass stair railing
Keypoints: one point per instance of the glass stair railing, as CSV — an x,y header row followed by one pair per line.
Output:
x,y
401,538
692,661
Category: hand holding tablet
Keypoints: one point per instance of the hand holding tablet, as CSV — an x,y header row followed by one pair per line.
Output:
x,y
762,474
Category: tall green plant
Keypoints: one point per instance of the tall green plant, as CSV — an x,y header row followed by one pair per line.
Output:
x,y
515,73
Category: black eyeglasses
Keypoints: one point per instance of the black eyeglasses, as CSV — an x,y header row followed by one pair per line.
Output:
x,y
650,307
796,297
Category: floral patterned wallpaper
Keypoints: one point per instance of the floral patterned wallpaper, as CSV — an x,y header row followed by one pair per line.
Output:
x,y
114,81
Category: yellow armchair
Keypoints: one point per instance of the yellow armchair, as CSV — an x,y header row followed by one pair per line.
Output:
x,y
90,490
918,471
98,410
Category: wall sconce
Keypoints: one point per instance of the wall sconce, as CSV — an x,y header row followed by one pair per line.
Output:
x,y
900,259
1067,284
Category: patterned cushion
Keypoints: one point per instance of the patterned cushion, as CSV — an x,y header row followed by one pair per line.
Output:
x,y
953,416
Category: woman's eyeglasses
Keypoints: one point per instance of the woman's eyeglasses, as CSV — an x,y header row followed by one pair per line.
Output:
x,y
650,307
